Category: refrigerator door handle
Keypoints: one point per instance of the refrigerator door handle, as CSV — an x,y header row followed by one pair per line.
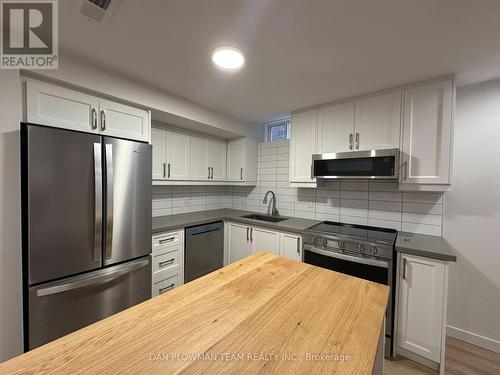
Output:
x,y
84,281
97,203
109,200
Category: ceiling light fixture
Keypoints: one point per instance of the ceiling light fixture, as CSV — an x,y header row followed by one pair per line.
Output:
x,y
228,58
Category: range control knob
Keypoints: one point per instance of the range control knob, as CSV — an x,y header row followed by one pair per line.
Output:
x,y
361,248
374,250
324,241
315,240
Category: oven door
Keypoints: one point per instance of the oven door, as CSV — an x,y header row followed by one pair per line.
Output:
x,y
372,269
377,270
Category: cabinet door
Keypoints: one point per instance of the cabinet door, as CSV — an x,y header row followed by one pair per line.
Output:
x,y
378,122
336,128
62,108
421,296
177,150
302,146
158,141
290,246
118,120
264,240
217,159
235,160
238,241
199,159
427,129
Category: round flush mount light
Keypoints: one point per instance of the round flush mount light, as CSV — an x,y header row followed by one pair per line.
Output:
x,y
228,58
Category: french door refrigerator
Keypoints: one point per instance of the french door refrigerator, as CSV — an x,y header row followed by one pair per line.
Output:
x,y
86,225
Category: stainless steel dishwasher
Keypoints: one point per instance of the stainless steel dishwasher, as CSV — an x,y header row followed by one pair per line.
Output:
x,y
204,250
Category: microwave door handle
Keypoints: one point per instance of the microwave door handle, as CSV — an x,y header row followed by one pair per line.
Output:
x,y
109,200
97,203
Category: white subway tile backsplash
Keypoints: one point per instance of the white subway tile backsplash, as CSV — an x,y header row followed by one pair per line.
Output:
x,y
432,230
384,206
353,185
352,194
385,196
375,203
385,223
423,208
327,216
422,218
422,197
353,220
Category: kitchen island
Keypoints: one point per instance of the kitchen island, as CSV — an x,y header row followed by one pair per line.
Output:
x,y
264,314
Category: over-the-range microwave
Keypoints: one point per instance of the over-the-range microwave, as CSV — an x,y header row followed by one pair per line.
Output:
x,y
371,164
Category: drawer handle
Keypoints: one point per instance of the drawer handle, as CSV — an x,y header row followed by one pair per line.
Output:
x,y
166,240
167,288
170,261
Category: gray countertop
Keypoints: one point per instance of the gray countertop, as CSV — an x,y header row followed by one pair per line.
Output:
x,y
426,246
410,243
166,223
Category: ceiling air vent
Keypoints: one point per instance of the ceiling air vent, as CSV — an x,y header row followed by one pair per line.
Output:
x,y
99,11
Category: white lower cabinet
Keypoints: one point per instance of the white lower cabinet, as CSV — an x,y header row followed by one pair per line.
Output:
x,y
291,246
264,240
244,240
168,261
238,241
421,315
166,281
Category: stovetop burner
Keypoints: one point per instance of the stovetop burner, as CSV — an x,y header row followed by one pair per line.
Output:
x,y
382,236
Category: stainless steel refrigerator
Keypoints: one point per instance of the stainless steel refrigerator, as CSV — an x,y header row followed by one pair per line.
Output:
x,y
86,225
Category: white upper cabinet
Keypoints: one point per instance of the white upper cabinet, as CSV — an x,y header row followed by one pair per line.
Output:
x,y
63,108
200,169
302,146
178,156
158,141
242,160
170,154
336,128
421,304
60,107
377,122
216,155
427,132
118,120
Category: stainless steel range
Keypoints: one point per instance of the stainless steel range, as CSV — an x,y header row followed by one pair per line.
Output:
x,y
357,250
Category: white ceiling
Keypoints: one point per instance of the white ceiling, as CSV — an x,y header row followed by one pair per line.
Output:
x,y
298,52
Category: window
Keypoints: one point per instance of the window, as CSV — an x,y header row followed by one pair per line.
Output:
x,y
278,130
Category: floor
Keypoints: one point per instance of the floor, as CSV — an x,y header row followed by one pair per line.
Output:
x,y
461,359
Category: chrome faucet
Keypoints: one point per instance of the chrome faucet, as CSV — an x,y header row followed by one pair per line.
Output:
x,y
275,211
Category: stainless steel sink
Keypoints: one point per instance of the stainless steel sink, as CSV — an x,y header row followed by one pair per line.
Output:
x,y
272,219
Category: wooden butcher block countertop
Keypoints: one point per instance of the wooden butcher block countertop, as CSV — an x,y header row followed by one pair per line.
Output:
x,y
264,314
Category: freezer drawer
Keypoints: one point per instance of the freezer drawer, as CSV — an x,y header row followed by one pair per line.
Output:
x,y
61,307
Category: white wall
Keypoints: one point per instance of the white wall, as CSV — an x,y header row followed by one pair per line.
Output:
x,y
10,218
472,216
78,73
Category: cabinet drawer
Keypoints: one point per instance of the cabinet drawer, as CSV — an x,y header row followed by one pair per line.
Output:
x,y
166,240
167,281
167,259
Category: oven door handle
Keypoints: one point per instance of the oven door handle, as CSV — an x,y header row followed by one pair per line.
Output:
x,y
350,258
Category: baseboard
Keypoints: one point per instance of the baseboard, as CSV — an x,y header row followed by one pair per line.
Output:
x,y
473,338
